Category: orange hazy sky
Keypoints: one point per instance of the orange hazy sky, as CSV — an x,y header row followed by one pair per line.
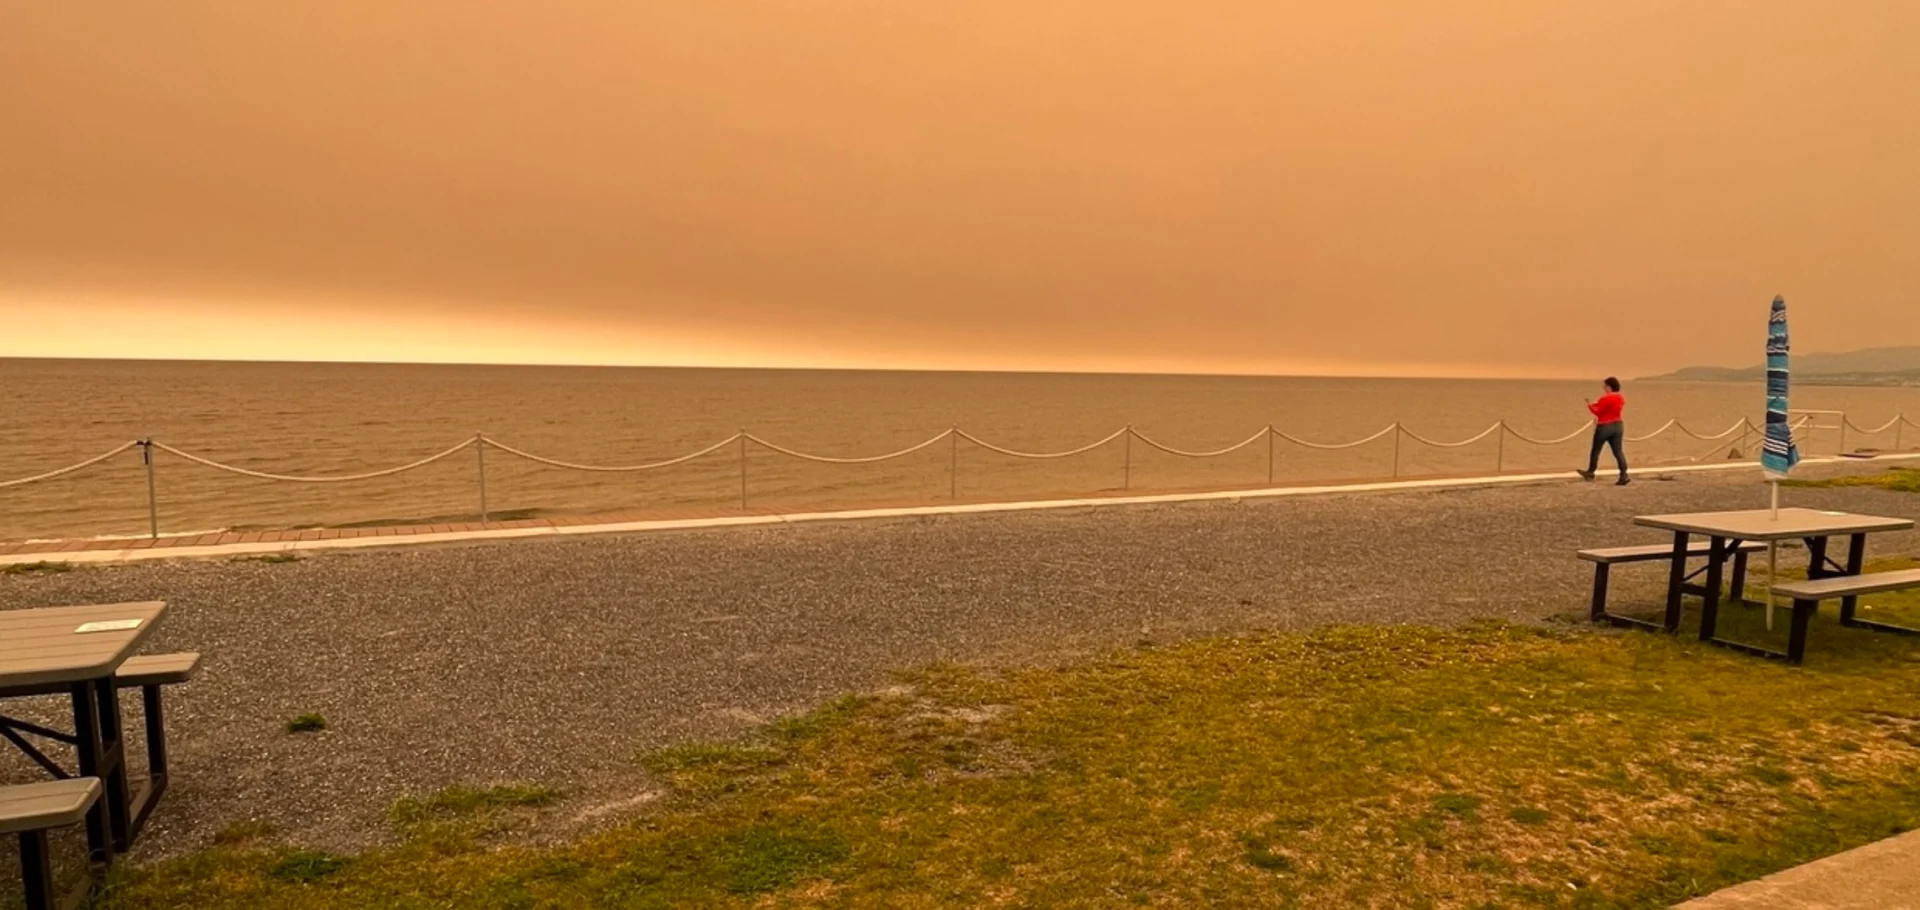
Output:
x,y
1523,187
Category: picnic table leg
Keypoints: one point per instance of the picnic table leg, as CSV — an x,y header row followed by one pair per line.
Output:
x,y
113,755
1737,589
1676,579
149,796
1598,610
1856,563
1816,558
36,870
86,730
1797,636
1710,600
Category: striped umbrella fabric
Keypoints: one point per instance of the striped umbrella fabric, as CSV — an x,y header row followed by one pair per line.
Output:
x,y
1778,454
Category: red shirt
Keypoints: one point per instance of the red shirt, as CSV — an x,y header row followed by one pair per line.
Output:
x,y
1607,409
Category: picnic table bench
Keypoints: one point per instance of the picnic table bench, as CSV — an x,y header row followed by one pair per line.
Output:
x,y
32,810
1605,558
1807,596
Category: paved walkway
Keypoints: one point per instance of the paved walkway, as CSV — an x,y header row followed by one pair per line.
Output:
x,y
243,543
1881,876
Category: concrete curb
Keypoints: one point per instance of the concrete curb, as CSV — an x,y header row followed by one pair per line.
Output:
x,y
113,557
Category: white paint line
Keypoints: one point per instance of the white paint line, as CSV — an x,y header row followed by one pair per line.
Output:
x,y
109,557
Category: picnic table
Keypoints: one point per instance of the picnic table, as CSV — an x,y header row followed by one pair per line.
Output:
x,y
77,650
1724,530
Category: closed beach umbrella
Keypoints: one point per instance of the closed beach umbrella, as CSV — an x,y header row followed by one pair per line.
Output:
x,y
1778,454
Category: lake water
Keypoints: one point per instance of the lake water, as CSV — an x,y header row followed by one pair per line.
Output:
x,y
330,419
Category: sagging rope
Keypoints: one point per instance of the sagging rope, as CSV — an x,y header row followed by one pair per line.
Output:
x,y
68,469
1848,422
1344,445
343,478
1576,434
557,463
1742,427
1450,445
1213,454
1116,434
828,459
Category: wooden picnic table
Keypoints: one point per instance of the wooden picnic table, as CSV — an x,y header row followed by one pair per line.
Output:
x,y
1724,529
77,650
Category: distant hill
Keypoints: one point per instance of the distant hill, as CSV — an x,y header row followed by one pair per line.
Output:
x,y
1873,366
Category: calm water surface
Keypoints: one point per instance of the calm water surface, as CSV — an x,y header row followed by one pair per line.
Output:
x,y
320,419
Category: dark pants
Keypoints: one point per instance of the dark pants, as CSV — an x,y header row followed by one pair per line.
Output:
x,y
1612,434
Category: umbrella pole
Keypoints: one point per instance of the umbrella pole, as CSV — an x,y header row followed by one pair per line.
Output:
x,y
1773,556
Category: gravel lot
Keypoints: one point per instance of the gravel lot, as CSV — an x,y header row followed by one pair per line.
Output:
x,y
557,661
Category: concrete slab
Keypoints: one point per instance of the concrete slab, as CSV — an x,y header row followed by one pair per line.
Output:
x,y
1878,876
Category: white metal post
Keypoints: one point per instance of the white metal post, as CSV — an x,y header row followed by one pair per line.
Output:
x,y
1270,433
153,499
480,462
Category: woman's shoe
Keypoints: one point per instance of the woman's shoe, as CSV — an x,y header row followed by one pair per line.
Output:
x,y
1586,476
1623,481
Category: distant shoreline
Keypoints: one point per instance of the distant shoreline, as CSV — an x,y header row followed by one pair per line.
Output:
x,y
1881,382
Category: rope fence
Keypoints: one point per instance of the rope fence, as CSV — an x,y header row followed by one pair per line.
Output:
x,y
740,441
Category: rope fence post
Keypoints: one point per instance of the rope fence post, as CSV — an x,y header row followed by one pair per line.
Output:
x,y
480,462
1899,423
743,470
1126,478
153,499
1396,451
1269,454
1843,432
953,463
1500,450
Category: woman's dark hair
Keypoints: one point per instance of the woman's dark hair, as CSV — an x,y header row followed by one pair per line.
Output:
x,y
1613,384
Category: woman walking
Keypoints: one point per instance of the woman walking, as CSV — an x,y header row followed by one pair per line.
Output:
x,y
1608,430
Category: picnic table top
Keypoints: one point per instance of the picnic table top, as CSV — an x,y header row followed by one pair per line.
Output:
x,y
71,644
1762,524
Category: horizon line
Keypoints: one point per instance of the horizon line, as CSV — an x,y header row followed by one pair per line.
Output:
x,y
1035,371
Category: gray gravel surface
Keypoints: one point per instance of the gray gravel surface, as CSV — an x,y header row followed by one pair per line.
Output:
x,y
558,661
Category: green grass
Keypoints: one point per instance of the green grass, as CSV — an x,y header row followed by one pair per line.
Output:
x,y
32,568
304,867
307,723
1402,767
1900,480
463,811
272,559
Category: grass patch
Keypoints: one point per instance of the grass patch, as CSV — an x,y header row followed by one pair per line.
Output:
x,y
1528,815
307,723
304,867
271,559
467,803
244,832
1399,767
36,568
1899,480
767,858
